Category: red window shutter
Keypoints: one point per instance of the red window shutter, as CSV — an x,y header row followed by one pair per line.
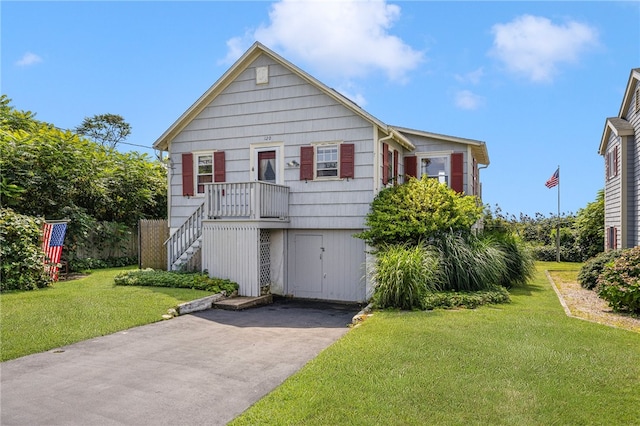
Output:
x,y
411,166
385,163
457,172
395,166
187,174
615,162
306,162
219,172
347,157
615,238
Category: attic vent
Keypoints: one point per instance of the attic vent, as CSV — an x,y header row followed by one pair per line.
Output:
x,y
262,75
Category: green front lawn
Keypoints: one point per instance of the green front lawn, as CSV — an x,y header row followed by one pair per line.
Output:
x,y
71,311
524,363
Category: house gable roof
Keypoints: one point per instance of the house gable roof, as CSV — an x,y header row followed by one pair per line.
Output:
x,y
257,49
619,125
478,148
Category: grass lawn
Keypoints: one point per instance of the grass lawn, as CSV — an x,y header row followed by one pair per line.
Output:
x,y
525,363
71,311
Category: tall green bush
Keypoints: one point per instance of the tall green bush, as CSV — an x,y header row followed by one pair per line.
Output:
x,y
592,268
416,211
619,283
20,252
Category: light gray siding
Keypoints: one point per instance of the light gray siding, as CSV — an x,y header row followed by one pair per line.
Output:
x,y
633,117
290,111
612,193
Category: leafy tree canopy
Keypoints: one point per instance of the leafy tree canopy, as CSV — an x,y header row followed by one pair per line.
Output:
x,y
106,129
53,173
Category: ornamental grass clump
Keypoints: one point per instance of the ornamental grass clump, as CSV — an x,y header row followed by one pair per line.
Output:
x,y
519,262
468,263
403,276
619,283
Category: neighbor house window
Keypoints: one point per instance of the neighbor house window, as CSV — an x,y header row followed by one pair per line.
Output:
x,y
436,168
327,161
612,238
611,163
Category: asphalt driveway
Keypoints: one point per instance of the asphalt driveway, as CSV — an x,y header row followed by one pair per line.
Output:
x,y
197,369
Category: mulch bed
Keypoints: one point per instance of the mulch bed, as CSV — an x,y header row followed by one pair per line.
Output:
x,y
585,304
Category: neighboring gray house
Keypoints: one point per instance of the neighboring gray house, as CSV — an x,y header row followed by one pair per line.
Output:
x,y
620,146
272,173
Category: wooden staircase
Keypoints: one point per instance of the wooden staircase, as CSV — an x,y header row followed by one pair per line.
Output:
x,y
185,243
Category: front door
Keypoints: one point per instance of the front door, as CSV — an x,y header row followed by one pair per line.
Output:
x,y
308,253
267,166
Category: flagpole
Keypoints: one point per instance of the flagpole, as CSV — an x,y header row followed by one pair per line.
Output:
x,y
558,225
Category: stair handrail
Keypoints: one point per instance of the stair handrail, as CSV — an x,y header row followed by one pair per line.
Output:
x,y
184,236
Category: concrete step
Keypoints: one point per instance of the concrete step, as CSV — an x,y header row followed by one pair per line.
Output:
x,y
243,302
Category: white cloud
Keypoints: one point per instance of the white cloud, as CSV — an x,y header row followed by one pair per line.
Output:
x,y
465,99
472,77
347,38
29,59
534,47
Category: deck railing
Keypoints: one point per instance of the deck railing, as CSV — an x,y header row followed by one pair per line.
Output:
x,y
246,200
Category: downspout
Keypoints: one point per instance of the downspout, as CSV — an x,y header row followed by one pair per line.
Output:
x,y
377,160
479,181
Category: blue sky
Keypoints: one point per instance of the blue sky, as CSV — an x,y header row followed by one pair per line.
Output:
x,y
534,80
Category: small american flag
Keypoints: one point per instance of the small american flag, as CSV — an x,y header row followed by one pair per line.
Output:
x,y
554,179
52,243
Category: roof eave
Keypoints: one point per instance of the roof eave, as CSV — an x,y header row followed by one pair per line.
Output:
x,y
628,94
479,148
162,143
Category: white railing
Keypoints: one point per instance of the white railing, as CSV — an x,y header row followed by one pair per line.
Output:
x,y
185,236
246,200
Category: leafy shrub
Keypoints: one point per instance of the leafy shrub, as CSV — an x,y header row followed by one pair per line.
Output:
x,y
417,210
592,268
22,256
402,276
619,283
470,300
88,263
548,253
196,281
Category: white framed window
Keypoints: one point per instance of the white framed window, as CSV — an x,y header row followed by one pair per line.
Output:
x,y
611,162
436,167
327,160
204,170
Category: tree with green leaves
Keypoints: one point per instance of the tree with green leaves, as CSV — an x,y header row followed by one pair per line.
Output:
x,y
106,129
589,227
57,174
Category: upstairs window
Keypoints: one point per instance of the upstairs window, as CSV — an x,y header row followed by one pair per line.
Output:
x,y
204,171
199,169
611,163
436,168
327,161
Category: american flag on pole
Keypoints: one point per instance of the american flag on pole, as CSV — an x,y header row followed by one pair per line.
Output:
x,y
52,242
554,179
